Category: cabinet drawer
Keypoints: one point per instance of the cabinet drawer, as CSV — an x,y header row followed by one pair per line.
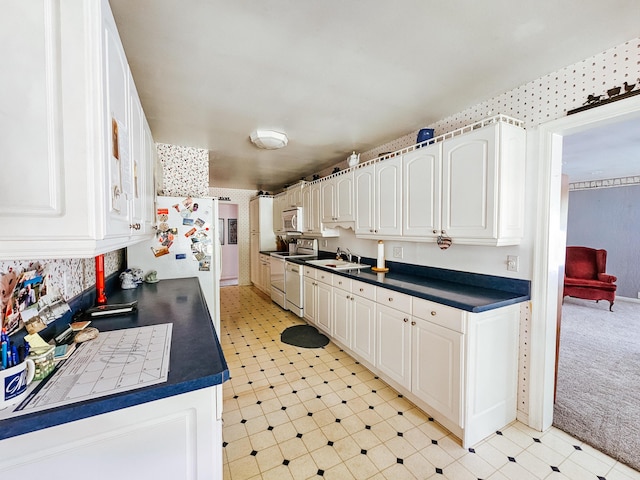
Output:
x,y
310,272
362,289
324,277
342,283
395,300
447,317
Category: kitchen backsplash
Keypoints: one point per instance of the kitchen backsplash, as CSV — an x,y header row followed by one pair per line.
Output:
x,y
69,276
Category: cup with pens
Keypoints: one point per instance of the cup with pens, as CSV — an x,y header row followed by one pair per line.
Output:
x,y
16,373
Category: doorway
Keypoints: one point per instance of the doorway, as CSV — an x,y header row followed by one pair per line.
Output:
x,y
228,218
549,251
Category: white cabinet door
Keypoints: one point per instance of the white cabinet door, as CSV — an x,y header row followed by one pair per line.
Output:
x,y
363,335
325,307
364,190
306,208
393,345
388,198
254,257
279,202
328,196
310,287
254,215
468,184
436,367
119,183
421,191
342,306
344,197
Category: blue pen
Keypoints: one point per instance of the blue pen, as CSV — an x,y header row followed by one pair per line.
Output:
x,y
4,355
14,355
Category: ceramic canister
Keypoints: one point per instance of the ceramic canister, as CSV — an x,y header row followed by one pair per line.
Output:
x,y
424,135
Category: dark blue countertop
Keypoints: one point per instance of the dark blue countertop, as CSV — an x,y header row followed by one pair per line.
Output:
x,y
472,292
196,359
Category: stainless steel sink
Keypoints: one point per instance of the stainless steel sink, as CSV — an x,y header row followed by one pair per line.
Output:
x,y
338,264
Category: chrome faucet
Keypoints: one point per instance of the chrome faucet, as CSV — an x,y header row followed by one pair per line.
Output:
x,y
347,253
341,252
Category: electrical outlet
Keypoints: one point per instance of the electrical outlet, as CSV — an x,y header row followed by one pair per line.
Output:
x,y
513,263
325,243
397,252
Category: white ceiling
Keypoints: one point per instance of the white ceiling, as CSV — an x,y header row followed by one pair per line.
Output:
x,y
340,75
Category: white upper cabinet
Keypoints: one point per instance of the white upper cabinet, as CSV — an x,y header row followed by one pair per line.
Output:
x,y
294,196
421,194
483,185
279,204
312,207
337,199
378,199
78,163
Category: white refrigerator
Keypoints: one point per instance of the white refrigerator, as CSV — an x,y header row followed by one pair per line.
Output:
x,y
185,244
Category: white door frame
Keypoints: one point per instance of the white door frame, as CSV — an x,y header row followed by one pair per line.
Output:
x,y
546,146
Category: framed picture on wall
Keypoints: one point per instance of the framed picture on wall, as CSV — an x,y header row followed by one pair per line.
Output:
x,y
221,230
233,231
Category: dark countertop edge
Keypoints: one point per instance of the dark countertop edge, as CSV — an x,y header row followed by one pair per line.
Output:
x,y
31,422
494,297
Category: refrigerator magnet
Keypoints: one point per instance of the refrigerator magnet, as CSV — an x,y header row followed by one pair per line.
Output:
x,y
187,221
181,256
190,232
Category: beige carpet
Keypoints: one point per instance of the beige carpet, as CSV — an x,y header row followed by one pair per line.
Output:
x,y
598,396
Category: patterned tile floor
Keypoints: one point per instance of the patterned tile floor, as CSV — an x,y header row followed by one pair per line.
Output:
x,y
296,413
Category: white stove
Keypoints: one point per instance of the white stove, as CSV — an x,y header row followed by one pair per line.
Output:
x,y
287,278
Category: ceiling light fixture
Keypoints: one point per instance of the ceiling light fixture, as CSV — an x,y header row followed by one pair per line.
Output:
x,y
269,139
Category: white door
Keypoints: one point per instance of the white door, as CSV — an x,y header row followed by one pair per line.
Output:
x,y
436,367
325,309
118,181
363,333
388,197
342,306
364,180
468,184
328,200
344,197
310,300
393,341
421,191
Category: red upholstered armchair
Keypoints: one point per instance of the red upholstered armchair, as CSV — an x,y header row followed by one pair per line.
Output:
x,y
584,275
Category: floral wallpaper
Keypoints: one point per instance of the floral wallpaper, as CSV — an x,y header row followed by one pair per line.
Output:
x,y
185,171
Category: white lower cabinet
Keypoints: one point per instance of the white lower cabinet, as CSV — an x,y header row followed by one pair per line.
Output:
x,y
325,300
436,359
318,298
459,367
342,307
177,437
393,345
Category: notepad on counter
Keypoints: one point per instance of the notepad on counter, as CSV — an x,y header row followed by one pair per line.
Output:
x,y
63,351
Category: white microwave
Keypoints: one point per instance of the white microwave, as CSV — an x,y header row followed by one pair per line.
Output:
x,y
292,220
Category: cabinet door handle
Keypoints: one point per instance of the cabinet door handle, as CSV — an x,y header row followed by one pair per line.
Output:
x,y
391,299
433,313
435,231
362,289
405,320
135,226
413,323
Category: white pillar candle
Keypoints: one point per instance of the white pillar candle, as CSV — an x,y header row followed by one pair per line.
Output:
x,y
380,254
